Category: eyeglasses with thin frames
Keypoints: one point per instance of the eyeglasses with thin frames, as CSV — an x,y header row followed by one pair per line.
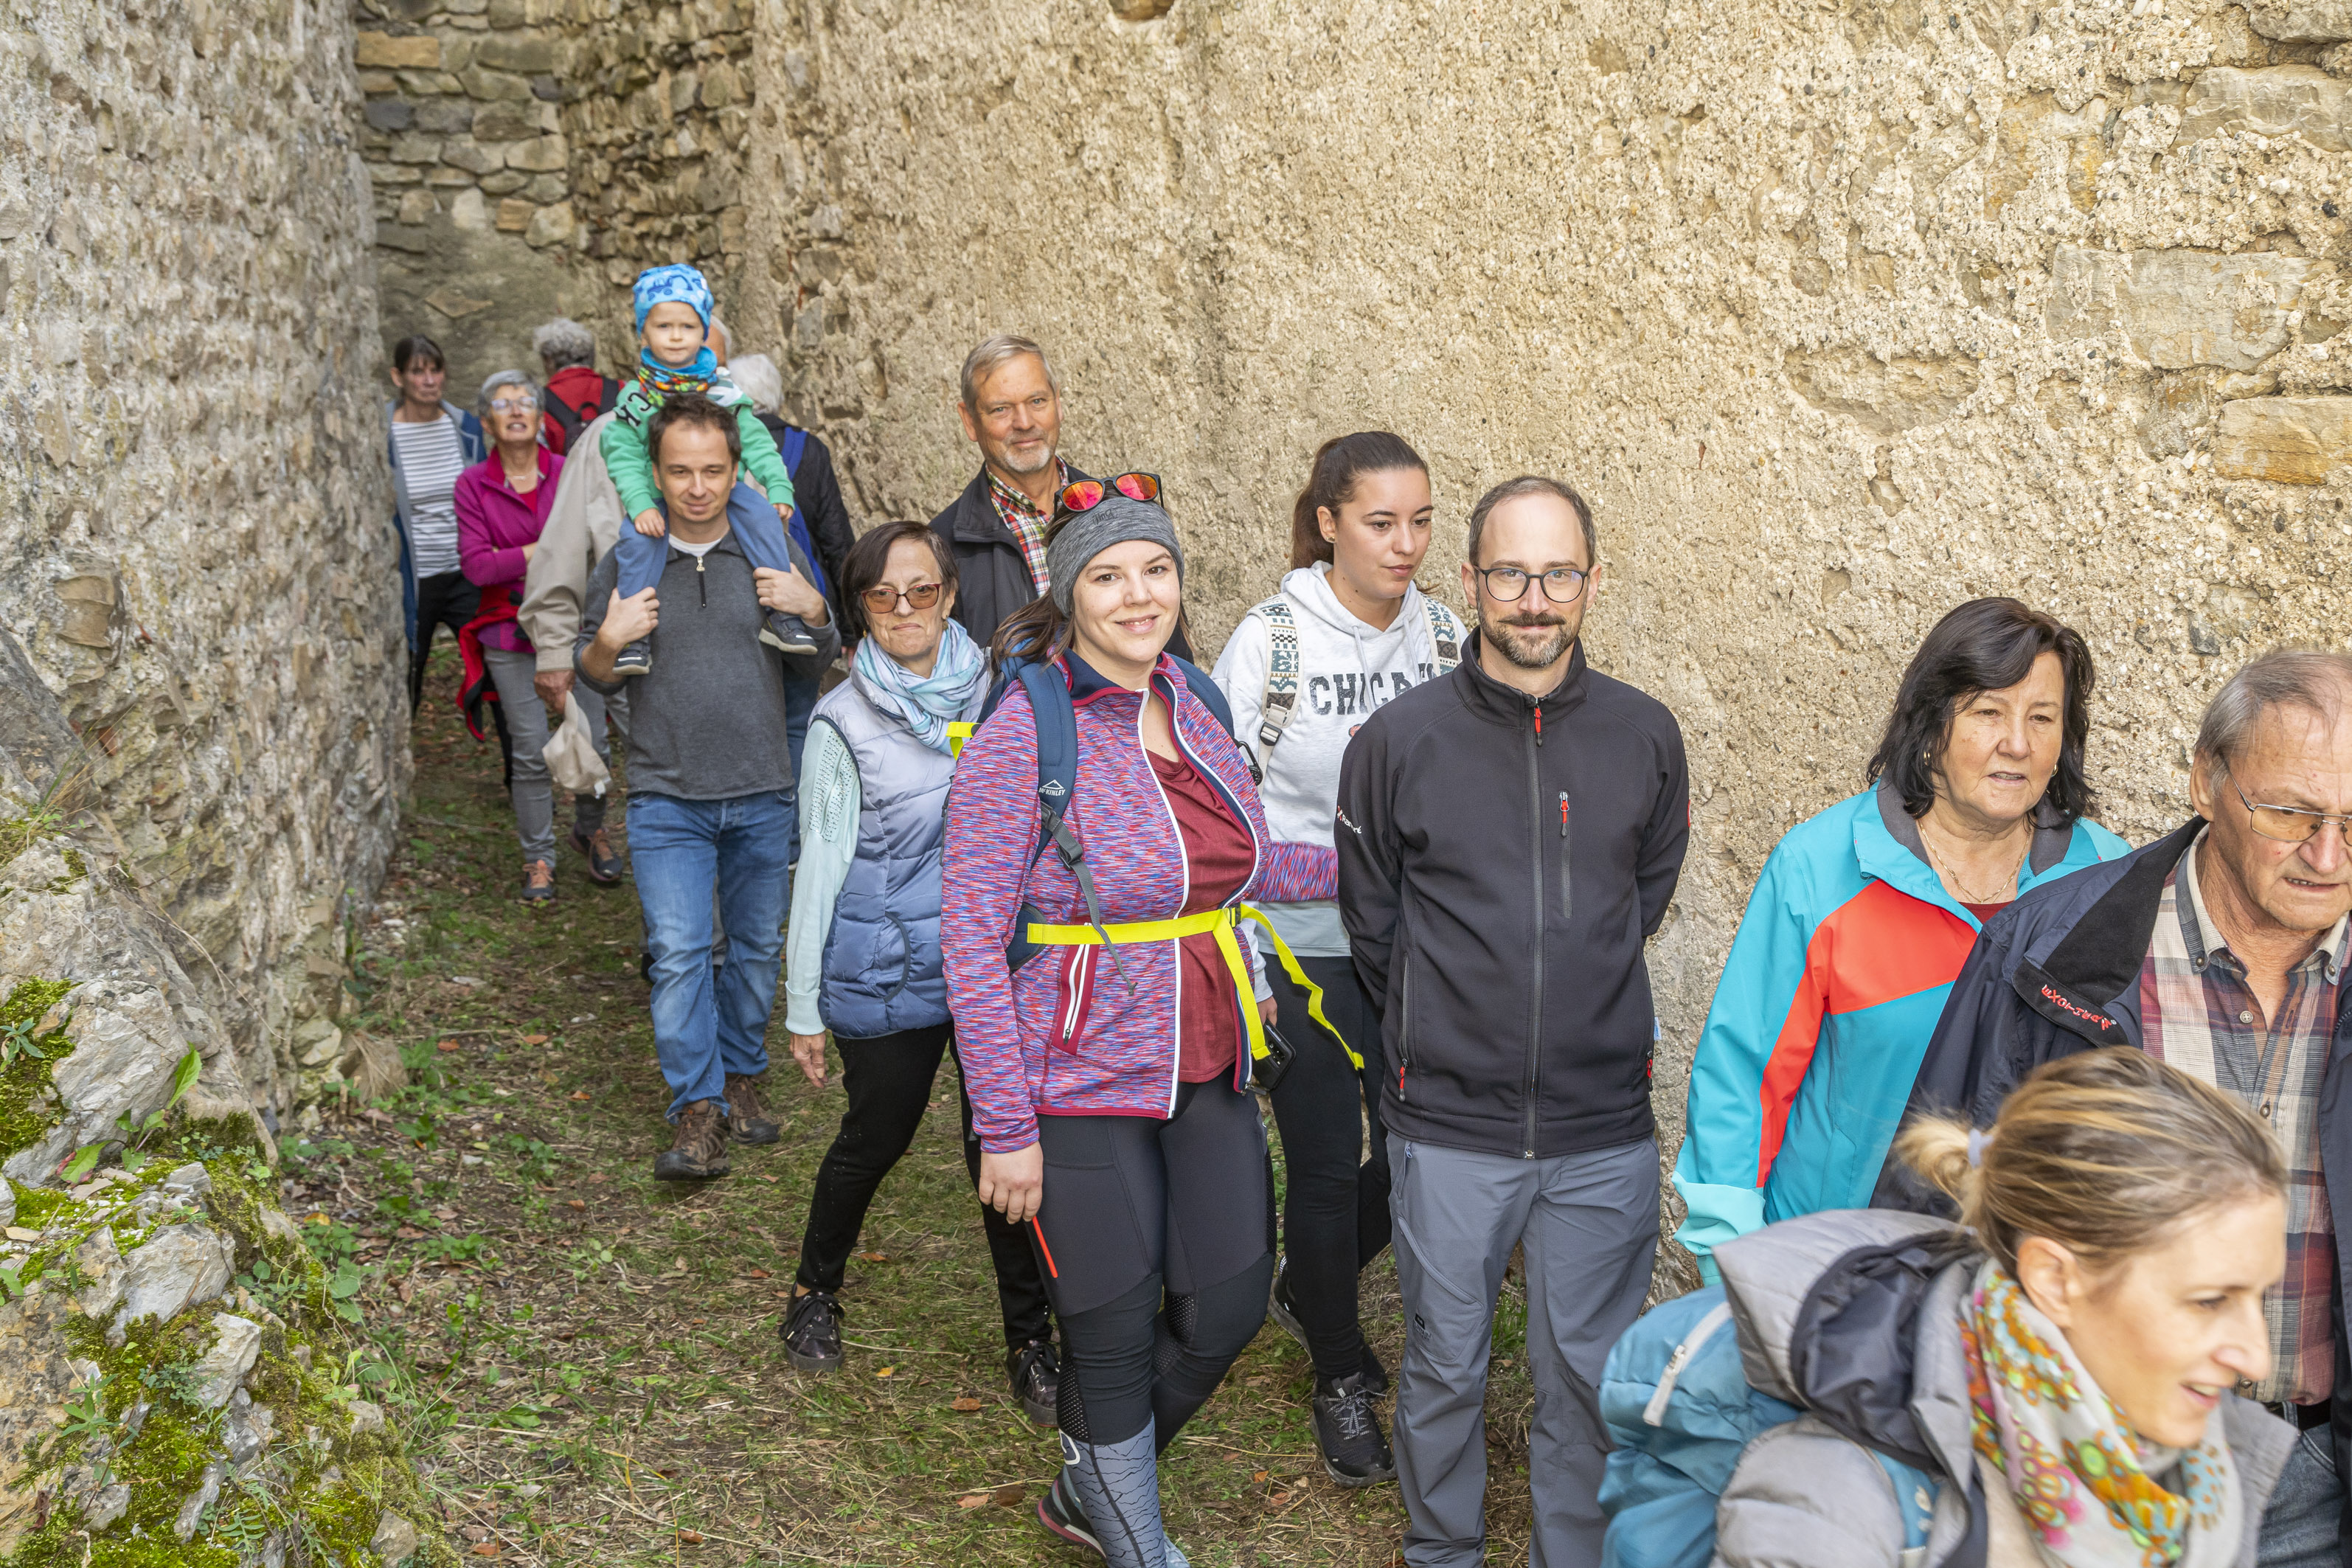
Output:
x,y
513,404
2290,824
1508,585
881,599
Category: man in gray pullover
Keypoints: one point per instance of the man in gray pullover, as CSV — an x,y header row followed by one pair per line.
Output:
x,y
710,778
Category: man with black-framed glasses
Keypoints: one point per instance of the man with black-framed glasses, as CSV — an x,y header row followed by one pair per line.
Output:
x,y
1509,836
2220,949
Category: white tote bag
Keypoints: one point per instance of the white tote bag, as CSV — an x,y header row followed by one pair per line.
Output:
x,y
571,753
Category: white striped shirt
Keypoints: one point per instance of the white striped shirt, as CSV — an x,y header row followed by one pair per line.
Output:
x,y
431,458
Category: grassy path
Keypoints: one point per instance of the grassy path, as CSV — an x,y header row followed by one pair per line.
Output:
x,y
586,1359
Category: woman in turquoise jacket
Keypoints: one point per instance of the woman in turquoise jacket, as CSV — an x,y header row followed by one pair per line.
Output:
x,y
1865,913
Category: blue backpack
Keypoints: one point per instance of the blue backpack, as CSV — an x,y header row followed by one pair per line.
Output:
x,y
794,443
1680,1414
1057,778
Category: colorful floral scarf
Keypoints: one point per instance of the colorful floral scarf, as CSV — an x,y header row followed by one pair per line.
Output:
x,y
926,703
698,374
2094,1494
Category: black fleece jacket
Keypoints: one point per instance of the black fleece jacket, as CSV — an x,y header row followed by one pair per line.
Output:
x,y
1501,863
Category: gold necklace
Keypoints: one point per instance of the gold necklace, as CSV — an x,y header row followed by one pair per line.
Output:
x,y
1968,894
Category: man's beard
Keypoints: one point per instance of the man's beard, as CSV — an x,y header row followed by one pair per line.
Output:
x,y
1506,635
1012,464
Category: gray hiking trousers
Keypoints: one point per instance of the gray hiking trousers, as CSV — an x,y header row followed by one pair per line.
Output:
x,y
1590,1223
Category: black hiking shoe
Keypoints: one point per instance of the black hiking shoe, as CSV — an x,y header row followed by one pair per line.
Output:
x,y
1037,1375
1058,1511
700,1150
747,1119
637,658
604,860
1347,1430
812,1332
537,882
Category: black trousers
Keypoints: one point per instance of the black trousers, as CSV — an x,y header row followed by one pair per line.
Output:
x,y
1335,1207
1158,1240
888,1078
444,599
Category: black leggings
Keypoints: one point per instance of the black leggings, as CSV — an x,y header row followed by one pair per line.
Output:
x,y
888,1078
1335,1205
1158,1237
444,599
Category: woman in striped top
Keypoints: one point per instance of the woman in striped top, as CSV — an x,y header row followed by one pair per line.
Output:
x,y
432,443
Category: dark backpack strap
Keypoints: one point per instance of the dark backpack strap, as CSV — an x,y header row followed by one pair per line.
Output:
x,y
567,419
608,395
1057,723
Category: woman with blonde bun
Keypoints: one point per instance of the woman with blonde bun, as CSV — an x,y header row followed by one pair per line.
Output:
x,y
2057,1371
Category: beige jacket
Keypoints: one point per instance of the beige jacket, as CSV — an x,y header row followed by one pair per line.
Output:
x,y
583,522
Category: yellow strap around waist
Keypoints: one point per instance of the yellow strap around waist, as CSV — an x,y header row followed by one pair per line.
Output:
x,y
1223,923
959,731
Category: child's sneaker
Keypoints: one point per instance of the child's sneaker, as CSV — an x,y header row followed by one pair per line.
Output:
x,y
637,658
786,634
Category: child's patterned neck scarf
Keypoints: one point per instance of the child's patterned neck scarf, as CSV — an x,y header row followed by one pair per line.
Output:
x,y
2094,1494
668,381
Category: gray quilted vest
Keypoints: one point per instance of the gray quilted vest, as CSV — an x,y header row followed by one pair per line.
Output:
x,y
882,964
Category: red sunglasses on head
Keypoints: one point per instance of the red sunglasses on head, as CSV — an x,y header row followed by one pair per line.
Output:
x,y
1088,494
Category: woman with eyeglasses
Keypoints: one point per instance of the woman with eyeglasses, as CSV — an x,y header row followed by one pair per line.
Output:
x,y
1865,913
1304,669
501,504
1104,1006
862,952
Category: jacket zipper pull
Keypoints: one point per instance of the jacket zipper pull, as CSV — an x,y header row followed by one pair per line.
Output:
x,y
1563,814
1538,711
702,589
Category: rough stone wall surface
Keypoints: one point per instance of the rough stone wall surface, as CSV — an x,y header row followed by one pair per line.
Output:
x,y
529,156
200,609
1840,313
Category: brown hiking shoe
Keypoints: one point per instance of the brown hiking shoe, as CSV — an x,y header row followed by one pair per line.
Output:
x,y
700,1152
747,1119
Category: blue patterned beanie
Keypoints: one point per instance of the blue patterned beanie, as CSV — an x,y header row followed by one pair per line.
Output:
x,y
676,282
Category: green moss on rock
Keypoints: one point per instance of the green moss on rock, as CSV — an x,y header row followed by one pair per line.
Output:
x,y
28,1108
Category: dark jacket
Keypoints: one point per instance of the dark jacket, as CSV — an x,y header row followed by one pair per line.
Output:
x,y
1854,1317
2058,972
818,494
1498,875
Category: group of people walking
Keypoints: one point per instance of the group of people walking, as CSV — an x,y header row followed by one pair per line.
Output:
x,y
1392,871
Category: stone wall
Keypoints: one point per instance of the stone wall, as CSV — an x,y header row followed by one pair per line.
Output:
x,y
200,611
1840,313
529,156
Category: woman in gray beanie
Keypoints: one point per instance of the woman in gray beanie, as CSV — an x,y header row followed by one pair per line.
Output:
x,y
1110,1090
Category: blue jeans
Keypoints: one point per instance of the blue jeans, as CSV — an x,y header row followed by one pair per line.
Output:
x,y
705,1025
757,528
2299,1528
800,702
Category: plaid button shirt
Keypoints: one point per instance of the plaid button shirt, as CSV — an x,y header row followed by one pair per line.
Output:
x,y
2197,1015
1027,521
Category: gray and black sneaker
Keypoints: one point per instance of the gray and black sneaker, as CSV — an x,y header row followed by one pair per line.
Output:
x,y
786,634
812,1332
1058,1511
1036,1371
537,882
637,658
1347,1430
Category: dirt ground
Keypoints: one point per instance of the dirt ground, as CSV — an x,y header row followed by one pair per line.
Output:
x,y
587,1362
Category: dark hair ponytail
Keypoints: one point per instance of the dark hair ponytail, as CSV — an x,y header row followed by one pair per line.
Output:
x,y
1331,483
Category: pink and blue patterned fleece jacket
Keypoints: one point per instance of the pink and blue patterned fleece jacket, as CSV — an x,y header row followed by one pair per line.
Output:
x,y
1064,1036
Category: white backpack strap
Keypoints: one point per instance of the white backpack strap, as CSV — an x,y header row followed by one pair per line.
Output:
x,y
1444,634
1280,698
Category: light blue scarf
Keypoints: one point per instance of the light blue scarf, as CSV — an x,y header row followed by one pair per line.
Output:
x,y
924,702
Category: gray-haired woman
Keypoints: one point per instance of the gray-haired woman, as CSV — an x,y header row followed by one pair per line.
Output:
x,y
503,504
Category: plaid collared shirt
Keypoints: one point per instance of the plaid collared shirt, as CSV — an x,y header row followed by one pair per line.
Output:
x,y
1026,522
2197,1015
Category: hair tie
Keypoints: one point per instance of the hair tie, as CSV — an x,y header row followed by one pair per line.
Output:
x,y
1977,1141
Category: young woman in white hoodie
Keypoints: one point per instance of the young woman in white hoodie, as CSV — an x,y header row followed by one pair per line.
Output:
x,y
1348,632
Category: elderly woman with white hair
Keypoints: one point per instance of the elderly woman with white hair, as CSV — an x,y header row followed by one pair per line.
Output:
x,y
503,504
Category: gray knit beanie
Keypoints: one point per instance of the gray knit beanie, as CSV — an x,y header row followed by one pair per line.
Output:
x,y
1115,519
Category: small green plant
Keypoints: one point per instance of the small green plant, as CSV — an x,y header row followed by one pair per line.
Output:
x,y
20,1039
454,1248
589,1261
132,1133
15,1277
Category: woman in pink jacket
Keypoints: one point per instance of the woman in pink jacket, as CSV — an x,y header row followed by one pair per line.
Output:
x,y
1109,1084
502,503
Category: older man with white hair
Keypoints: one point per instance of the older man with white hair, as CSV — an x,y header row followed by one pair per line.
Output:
x,y
2218,949
575,393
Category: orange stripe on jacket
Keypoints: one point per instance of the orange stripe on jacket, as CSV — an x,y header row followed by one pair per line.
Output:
x,y
1877,946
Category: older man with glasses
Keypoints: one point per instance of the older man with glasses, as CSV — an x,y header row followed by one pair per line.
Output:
x,y
2221,949
1510,837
